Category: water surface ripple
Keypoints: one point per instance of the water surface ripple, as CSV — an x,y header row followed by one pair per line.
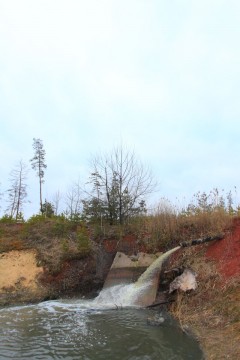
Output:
x,y
75,330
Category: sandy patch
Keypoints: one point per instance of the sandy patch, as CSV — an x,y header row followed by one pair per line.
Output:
x,y
19,268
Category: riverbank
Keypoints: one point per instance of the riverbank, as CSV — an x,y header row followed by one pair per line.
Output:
x,y
24,281
212,312
57,258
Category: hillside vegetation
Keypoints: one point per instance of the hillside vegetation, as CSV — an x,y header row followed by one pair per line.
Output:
x,y
63,237
73,251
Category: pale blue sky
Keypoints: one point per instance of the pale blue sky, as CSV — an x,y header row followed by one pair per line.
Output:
x,y
162,77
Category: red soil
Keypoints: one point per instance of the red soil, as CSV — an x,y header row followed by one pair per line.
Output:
x,y
226,252
128,244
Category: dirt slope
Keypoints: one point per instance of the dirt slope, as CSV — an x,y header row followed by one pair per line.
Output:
x,y
226,253
19,276
213,310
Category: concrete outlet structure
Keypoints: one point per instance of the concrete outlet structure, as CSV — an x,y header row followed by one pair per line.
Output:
x,y
127,269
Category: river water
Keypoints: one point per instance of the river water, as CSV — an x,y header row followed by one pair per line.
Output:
x,y
78,329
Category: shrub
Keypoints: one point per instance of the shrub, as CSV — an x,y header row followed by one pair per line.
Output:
x,y
83,241
7,219
65,245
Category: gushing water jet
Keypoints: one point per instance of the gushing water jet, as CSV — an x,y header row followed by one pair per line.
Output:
x,y
141,293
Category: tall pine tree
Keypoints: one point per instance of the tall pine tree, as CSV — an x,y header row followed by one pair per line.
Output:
x,y
38,164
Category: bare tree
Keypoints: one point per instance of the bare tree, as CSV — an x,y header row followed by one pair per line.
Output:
x,y
73,201
0,195
56,200
17,192
120,184
38,164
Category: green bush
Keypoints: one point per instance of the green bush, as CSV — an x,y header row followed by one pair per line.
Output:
x,y
64,245
7,219
83,241
36,219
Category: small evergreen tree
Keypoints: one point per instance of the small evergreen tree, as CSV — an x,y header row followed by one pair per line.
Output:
x,y
47,209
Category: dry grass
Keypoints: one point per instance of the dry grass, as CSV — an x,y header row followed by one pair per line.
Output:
x,y
168,228
212,311
54,240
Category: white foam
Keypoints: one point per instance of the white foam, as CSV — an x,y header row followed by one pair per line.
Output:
x,y
123,295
